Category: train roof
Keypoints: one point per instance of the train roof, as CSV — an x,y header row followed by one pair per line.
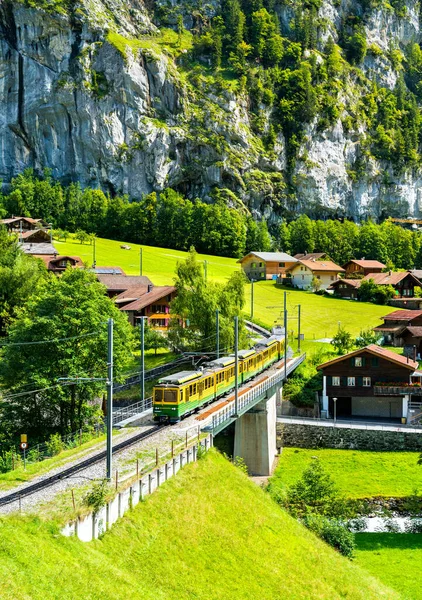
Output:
x,y
267,342
219,363
242,354
181,377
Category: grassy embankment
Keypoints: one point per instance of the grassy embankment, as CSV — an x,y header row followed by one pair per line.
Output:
x,y
207,534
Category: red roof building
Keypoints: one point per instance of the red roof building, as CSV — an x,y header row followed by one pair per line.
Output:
x,y
363,267
148,301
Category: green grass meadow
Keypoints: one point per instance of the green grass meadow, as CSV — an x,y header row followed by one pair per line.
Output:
x,y
207,534
394,558
358,474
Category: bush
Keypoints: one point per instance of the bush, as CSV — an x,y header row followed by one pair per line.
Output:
x,y
96,497
342,341
55,445
340,538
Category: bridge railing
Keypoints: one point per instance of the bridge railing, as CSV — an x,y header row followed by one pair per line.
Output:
x,y
250,397
126,412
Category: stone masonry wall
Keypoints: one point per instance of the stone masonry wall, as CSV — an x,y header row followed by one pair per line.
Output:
x,y
310,436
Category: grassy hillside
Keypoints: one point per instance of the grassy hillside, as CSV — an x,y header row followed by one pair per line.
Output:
x,y
358,474
159,264
320,315
394,558
208,534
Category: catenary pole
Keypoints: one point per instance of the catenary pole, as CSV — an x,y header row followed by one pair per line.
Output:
x,y
110,398
298,327
217,332
236,366
140,262
143,358
252,299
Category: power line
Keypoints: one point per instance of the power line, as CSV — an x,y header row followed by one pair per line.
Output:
x,y
76,337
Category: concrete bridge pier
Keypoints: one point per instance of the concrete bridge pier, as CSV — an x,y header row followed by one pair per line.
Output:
x,y
255,435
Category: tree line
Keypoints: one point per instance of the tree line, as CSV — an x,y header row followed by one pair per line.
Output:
x,y
170,220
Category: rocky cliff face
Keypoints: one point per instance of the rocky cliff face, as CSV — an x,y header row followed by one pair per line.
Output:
x,y
88,91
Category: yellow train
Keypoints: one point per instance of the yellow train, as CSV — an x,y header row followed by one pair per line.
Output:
x,y
180,394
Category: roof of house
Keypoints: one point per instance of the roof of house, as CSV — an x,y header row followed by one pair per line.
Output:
x,y
376,351
108,270
270,257
402,315
390,278
310,256
415,331
14,219
352,282
367,264
25,235
147,298
417,273
122,282
51,261
39,249
390,328
319,265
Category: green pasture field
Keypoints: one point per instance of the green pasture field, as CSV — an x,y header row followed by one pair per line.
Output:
x,y
394,558
209,533
357,473
159,264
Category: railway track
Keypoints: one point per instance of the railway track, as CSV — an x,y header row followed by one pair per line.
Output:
x,y
88,462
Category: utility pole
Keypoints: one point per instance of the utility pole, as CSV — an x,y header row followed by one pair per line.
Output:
x,y
140,261
285,339
205,270
236,367
298,327
252,282
94,262
110,398
217,332
142,324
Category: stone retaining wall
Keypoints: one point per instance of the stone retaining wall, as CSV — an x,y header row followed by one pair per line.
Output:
x,y
311,436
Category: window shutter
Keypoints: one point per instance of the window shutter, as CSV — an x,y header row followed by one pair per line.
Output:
x,y
375,361
352,361
343,380
360,381
363,361
329,380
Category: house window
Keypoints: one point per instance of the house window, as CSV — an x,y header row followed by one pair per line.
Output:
x,y
303,277
351,382
358,361
318,277
301,268
253,265
332,277
62,263
262,274
261,264
281,264
366,382
336,381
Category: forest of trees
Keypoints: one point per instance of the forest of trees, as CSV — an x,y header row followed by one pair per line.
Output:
x,y
170,220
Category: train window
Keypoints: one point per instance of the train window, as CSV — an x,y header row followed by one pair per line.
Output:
x,y
170,395
158,395
194,388
181,395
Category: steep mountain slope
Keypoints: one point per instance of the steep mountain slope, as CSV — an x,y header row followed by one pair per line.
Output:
x,y
306,107
207,534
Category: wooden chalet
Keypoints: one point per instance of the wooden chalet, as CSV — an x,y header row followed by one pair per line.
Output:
x,y
371,382
22,224
402,281
58,264
312,256
148,301
266,265
360,268
346,288
402,328
303,272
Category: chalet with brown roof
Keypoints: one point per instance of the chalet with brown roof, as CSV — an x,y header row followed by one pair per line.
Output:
x,y
402,328
303,272
402,281
346,288
360,268
118,283
371,382
266,265
22,224
312,256
59,264
148,301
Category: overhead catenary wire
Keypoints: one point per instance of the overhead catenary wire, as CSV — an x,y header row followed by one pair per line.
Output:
x,y
52,341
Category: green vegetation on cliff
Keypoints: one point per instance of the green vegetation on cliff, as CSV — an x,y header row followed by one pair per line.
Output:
x,y
209,533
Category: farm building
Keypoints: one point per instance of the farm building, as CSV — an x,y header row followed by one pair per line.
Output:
x,y
402,328
368,383
266,265
303,272
57,264
346,288
148,301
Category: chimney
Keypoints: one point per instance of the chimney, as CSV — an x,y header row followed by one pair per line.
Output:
x,y
150,286
390,272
